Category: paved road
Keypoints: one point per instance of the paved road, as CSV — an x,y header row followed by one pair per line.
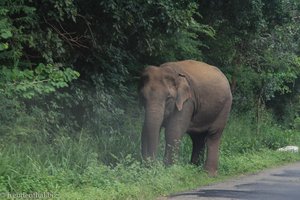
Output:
x,y
282,183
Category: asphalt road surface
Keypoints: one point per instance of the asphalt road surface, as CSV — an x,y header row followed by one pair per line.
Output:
x,y
282,183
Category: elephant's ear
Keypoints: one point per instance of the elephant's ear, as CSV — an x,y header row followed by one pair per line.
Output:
x,y
183,91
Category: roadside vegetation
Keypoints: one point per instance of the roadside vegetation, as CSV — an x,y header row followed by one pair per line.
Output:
x,y
88,167
70,119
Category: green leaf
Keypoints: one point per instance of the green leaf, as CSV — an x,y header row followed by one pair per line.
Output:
x,y
6,34
3,46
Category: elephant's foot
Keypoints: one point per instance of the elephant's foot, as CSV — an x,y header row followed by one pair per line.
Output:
x,y
211,171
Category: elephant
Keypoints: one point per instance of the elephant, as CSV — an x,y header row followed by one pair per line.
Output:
x,y
184,97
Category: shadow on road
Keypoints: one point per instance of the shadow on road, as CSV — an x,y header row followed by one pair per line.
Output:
x,y
279,186
233,194
237,194
289,173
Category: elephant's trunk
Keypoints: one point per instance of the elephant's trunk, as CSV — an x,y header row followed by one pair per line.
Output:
x,y
151,129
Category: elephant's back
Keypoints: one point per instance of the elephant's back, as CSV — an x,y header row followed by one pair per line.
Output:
x,y
210,88
201,74
201,71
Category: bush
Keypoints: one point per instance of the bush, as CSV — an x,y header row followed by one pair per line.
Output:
x,y
107,164
243,134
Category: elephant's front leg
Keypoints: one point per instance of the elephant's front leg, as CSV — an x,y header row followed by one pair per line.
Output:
x,y
176,126
173,138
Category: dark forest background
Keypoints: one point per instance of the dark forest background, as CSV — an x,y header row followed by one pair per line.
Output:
x,y
69,71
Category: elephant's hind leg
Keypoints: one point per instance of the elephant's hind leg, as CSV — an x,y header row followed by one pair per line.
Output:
x,y
198,140
213,144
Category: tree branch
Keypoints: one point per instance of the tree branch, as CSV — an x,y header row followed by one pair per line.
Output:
x,y
69,37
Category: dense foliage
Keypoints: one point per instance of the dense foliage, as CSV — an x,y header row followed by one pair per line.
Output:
x,y
69,70
257,43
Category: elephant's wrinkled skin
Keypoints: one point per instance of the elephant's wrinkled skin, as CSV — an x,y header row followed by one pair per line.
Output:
x,y
185,97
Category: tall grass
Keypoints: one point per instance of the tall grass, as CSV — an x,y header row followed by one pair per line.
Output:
x,y
107,165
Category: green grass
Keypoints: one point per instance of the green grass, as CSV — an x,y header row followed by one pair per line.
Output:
x,y
131,180
161,181
83,166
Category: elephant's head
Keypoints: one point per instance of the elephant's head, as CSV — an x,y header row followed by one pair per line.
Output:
x,y
162,91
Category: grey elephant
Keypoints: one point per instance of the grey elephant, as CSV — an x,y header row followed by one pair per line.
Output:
x,y
185,97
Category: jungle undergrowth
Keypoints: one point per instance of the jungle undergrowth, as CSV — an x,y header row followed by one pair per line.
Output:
x,y
109,167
